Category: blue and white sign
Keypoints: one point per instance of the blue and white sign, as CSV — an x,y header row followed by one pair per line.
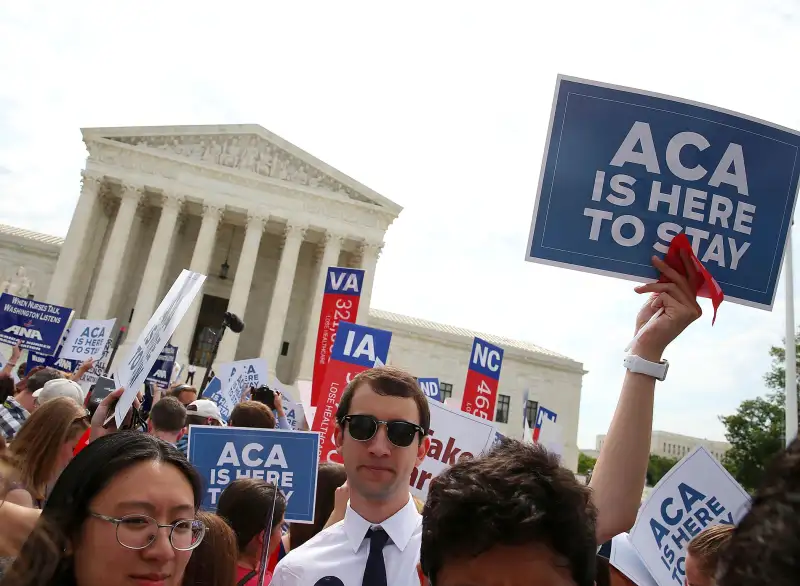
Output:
x,y
486,358
36,326
56,361
161,371
87,338
624,171
344,281
430,386
697,493
362,345
287,458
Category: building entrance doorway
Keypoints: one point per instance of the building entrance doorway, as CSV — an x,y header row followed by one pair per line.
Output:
x,y
209,323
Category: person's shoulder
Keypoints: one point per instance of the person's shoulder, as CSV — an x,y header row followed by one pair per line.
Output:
x,y
333,536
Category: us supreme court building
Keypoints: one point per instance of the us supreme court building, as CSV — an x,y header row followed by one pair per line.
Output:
x,y
263,219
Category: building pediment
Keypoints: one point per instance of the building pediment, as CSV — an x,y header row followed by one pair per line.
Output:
x,y
248,149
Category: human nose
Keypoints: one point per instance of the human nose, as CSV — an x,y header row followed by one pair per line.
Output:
x,y
161,547
380,444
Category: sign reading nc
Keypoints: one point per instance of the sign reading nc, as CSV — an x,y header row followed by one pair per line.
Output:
x,y
624,171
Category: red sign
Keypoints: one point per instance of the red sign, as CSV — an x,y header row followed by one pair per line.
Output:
x,y
339,304
483,377
357,349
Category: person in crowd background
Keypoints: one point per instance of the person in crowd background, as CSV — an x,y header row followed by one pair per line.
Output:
x,y
199,412
506,517
252,414
246,504
167,420
15,410
190,374
274,400
213,562
764,550
6,387
703,553
43,448
90,532
186,394
59,387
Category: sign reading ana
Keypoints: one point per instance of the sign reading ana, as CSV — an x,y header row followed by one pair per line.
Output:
x,y
286,458
36,326
162,369
624,171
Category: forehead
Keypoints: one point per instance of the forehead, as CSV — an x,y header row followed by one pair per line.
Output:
x,y
161,485
504,565
366,401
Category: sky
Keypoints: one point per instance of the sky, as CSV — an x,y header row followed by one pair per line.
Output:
x,y
440,106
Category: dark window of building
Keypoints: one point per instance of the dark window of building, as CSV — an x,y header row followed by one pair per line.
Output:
x,y
530,412
503,407
446,389
285,349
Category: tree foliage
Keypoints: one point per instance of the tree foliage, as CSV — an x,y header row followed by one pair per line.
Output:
x,y
757,430
657,467
585,463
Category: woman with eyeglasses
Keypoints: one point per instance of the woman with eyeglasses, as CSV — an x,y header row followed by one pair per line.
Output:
x,y
42,449
123,512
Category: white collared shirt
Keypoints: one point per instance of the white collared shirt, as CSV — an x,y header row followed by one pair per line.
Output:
x,y
341,551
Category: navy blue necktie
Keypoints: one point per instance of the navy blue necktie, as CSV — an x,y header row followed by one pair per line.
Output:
x,y
375,572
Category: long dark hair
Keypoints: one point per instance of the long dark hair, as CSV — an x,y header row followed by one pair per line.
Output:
x,y
330,476
44,560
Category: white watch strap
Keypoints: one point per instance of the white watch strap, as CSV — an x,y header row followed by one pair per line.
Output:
x,y
637,364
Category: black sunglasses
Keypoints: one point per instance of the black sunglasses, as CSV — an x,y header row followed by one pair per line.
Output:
x,y
363,428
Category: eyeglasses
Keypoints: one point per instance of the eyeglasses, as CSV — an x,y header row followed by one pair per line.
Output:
x,y
139,531
363,428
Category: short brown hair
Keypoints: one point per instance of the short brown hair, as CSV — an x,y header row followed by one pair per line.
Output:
x,y
707,547
388,381
176,392
168,414
245,505
252,414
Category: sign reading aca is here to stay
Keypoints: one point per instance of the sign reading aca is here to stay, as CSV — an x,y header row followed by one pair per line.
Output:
x,y
697,493
626,170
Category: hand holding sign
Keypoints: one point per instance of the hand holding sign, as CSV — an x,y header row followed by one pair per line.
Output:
x,y
677,302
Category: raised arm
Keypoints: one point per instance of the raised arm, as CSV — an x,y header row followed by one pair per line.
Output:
x,y
619,476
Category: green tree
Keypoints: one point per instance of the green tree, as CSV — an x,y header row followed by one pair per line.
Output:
x,y
756,431
657,467
585,463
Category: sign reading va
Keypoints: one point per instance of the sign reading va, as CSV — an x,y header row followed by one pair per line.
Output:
x,y
624,171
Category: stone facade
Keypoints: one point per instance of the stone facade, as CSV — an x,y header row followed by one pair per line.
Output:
x,y
262,219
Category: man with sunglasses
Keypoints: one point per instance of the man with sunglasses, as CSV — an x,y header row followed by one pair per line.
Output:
x,y
381,435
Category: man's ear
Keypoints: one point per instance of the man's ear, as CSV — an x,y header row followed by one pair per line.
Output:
x,y
422,449
338,437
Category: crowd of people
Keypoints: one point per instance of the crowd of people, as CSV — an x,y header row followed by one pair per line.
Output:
x,y
87,504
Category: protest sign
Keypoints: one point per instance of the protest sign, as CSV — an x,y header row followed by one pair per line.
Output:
x,y
55,361
97,370
255,372
625,170
627,560
339,304
227,394
161,372
697,493
430,386
212,389
483,376
87,338
287,458
547,431
294,412
154,337
454,435
356,350
36,326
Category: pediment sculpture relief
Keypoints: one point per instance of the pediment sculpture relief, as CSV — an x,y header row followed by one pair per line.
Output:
x,y
247,153
19,285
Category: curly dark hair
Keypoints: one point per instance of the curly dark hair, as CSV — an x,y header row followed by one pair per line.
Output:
x,y
765,547
517,494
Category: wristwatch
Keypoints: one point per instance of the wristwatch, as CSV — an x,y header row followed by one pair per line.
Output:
x,y
637,364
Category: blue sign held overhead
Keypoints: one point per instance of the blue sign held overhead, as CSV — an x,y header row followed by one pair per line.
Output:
x,y
161,372
486,358
287,458
430,386
361,345
343,281
624,171
54,361
36,326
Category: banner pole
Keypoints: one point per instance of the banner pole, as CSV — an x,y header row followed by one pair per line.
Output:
x,y
790,351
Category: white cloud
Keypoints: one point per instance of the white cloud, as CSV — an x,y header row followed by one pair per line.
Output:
x,y
440,106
